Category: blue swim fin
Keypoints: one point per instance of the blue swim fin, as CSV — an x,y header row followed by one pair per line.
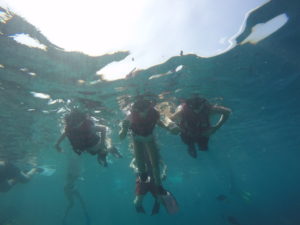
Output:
x,y
170,203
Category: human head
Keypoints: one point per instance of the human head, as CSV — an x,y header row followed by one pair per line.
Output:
x,y
75,117
197,104
143,103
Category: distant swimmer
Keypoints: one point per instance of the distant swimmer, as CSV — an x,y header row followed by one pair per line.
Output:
x,y
141,121
193,118
11,175
85,136
222,197
232,220
70,190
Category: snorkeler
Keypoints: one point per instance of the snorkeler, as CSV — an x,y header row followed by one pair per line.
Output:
x,y
85,136
193,118
142,188
141,122
11,175
70,190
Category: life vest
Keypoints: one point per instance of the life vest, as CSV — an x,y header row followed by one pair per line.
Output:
x,y
144,126
83,137
193,123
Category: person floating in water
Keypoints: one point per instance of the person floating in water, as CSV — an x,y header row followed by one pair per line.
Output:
x,y
141,122
10,175
193,118
142,188
84,135
70,190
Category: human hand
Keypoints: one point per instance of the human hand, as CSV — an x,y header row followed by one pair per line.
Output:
x,y
102,160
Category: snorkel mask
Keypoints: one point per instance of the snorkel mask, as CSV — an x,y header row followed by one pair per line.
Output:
x,y
143,103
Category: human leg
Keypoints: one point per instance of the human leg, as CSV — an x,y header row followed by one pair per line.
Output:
x,y
156,206
102,158
203,143
138,203
139,155
153,154
188,140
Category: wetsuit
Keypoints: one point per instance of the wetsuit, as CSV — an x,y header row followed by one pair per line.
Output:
x,y
193,125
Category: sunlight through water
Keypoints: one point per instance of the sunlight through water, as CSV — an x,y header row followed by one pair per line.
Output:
x,y
153,31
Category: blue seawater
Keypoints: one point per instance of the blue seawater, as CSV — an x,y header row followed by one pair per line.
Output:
x,y
249,176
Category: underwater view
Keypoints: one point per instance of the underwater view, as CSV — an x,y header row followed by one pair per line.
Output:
x,y
196,102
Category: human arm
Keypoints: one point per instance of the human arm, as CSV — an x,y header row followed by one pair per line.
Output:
x,y
174,120
175,117
102,130
224,112
164,169
61,138
125,124
23,177
133,165
170,126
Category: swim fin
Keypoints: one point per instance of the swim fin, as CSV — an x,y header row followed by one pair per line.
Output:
x,y
170,203
46,170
